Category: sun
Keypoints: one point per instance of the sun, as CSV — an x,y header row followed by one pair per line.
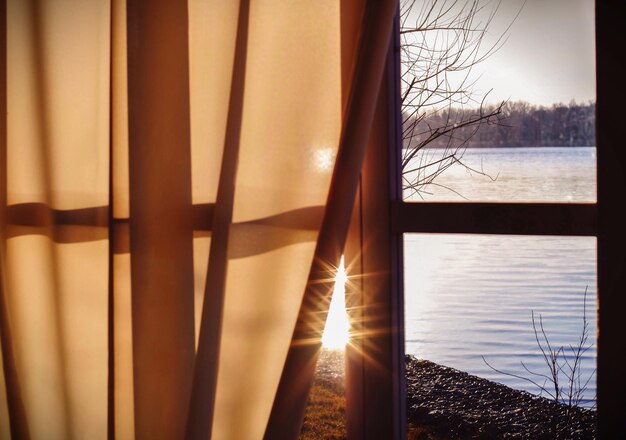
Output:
x,y
337,329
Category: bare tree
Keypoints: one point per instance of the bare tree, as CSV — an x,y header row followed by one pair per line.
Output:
x,y
441,42
564,383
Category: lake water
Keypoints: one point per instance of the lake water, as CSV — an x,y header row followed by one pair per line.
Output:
x,y
472,296
521,174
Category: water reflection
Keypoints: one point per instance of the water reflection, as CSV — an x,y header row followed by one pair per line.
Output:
x,y
472,296
566,174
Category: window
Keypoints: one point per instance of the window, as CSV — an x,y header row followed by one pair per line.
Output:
x,y
370,391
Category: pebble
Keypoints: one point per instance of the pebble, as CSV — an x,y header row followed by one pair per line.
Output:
x,y
457,405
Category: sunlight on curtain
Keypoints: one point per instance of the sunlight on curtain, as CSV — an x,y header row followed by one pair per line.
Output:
x,y
57,161
292,111
112,178
212,27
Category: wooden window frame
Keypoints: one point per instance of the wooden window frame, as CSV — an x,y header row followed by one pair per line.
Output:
x,y
604,219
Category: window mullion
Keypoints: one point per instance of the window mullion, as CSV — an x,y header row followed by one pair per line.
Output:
x,y
578,219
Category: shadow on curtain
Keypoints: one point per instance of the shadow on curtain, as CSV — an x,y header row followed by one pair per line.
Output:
x,y
166,199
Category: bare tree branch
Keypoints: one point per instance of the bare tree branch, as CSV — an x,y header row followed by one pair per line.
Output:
x,y
441,42
572,393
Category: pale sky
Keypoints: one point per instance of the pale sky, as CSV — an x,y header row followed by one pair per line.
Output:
x,y
549,56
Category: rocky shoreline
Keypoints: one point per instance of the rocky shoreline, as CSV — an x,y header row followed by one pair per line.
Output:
x,y
452,404
444,403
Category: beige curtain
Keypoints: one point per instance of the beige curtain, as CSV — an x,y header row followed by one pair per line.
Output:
x,y
163,181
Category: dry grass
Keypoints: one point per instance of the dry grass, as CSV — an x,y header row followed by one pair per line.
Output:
x,y
325,416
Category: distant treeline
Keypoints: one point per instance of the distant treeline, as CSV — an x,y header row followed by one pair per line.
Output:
x,y
520,124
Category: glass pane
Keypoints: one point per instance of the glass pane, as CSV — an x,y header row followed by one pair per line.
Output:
x,y
470,304
499,101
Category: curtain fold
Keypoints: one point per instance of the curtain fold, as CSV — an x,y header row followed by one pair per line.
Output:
x,y
202,405
297,375
58,156
289,136
162,158
161,234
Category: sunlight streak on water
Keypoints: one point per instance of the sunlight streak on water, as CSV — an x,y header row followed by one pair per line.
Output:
x,y
566,174
468,296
